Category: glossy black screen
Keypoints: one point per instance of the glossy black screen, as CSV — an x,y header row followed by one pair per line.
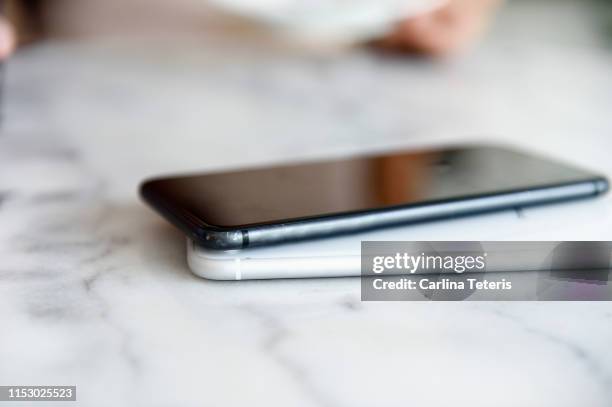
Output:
x,y
288,192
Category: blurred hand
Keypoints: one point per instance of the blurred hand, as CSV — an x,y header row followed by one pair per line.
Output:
x,y
7,39
445,30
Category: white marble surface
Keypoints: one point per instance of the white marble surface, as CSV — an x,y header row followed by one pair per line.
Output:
x,y
94,290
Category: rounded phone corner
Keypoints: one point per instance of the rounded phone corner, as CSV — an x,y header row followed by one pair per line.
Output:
x,y
215,238
210,268
144,188
147,184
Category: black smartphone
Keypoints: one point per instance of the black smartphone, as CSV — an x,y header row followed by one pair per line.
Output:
x,y
265,206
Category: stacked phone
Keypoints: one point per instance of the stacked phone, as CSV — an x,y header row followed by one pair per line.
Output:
x,y
308,219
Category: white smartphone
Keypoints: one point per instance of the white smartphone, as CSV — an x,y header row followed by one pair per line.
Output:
x,y
276,262
341,256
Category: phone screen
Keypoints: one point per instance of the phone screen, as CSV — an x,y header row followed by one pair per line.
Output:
x,y
290,192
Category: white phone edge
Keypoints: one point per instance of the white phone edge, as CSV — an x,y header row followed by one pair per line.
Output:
x,y
238,265
311,261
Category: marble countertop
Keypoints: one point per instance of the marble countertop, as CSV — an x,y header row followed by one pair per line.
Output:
x,y
94,289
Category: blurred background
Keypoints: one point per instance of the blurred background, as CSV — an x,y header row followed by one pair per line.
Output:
x,y
159,86
139,88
